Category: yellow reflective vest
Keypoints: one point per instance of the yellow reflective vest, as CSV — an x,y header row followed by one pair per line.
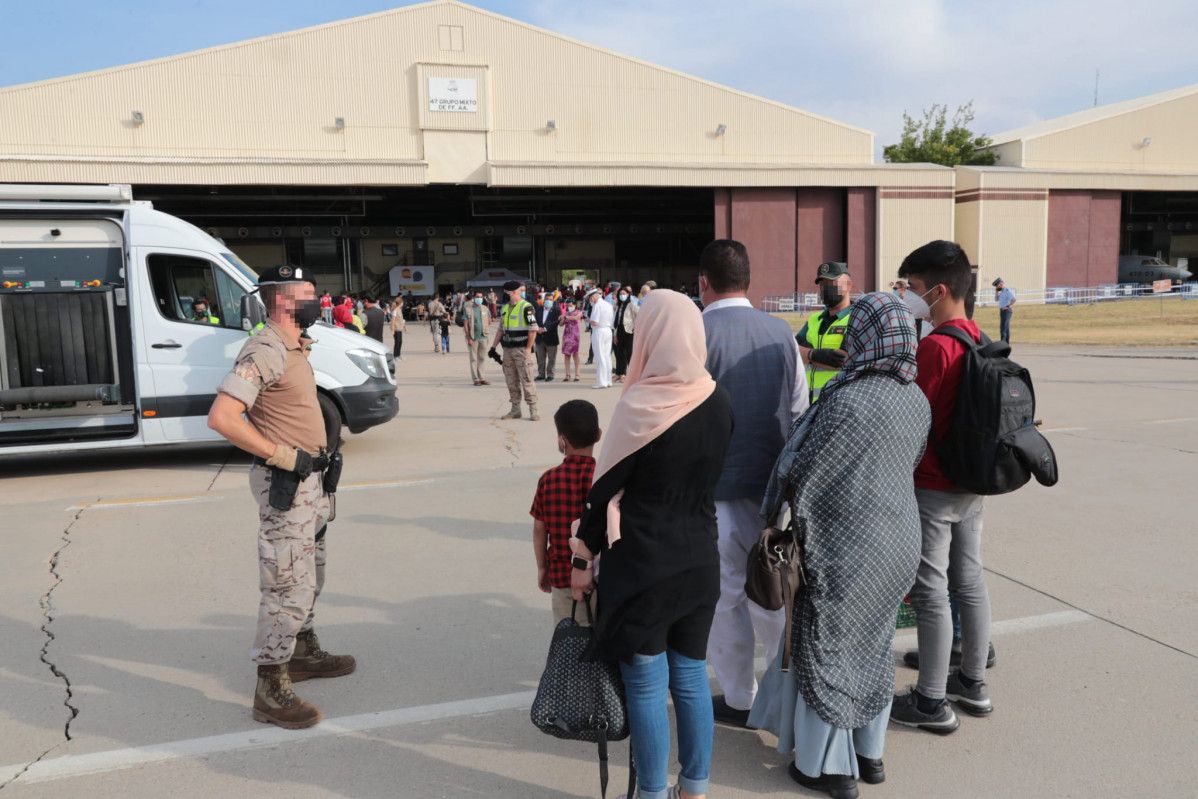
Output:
x,y
832,339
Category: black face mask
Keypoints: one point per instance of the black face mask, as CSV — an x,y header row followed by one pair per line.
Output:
x,y
830,292
306,313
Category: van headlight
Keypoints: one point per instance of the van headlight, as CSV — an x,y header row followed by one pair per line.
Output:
x,y
371,363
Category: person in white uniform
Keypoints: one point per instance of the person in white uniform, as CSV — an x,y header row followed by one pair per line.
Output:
x,y
754,356
602,317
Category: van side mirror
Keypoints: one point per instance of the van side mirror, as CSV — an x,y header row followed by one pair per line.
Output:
x,y
253,313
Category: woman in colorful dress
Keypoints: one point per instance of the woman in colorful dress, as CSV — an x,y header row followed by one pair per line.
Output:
x,y
571,336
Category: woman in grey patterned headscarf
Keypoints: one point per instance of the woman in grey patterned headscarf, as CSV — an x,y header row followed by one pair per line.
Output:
x,y
848,474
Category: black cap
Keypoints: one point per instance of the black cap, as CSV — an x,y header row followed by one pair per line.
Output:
x,y
286,273
997,280
831,270
512,285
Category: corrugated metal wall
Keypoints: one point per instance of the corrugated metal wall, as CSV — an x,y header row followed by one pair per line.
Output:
x,y
279,97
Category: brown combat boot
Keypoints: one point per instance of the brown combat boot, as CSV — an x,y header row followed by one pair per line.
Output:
x,y
310,660
276,703
514,413
533,416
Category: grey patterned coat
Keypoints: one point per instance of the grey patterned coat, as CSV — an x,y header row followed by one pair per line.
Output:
x,y
855,497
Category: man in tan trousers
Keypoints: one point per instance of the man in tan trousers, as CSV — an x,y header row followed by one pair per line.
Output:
x,y
476,319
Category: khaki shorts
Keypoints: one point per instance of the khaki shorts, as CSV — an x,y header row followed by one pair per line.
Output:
x,y
563,601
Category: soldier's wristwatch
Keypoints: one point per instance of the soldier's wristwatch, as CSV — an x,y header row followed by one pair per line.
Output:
x,y
580,562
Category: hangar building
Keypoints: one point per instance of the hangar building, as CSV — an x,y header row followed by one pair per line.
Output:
x,y
443,134
1070,195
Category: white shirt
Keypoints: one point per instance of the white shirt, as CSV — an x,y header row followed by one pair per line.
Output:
x,y
800,398
602,315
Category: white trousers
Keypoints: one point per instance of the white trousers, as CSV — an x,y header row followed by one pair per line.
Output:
x,y
601,346
731,646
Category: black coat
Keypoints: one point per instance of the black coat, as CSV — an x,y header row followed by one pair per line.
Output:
x,y
666,564
549,320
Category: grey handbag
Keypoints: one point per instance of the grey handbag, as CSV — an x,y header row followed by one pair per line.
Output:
x,y
582,700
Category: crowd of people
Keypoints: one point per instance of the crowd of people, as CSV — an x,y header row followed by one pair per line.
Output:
x,y
727,422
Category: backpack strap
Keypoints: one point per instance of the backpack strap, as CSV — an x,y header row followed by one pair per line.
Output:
x,y
954,332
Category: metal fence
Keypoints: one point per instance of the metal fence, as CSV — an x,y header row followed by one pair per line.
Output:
x,y
1055,295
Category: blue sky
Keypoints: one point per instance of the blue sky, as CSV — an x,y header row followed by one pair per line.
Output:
x,y
863,62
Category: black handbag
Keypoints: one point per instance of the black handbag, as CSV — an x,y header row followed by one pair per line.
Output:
x,y
774,573
582,700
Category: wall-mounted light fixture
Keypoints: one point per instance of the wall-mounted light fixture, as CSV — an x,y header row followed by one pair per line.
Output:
x,y
138,118
721,129
1147,141
551,125
339,123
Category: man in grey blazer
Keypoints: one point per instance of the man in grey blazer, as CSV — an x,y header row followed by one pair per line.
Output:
x,y
754,355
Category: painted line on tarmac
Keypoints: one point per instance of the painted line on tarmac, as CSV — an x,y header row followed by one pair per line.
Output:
x,y
381,484
1061,429
120,759
144,502
60,768
1170,421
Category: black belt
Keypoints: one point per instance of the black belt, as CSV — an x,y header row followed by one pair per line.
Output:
x,y
319,462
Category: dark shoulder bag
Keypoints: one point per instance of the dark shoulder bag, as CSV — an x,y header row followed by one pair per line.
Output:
x,y
582,700
775,570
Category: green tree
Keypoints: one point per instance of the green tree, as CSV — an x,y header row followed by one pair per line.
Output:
x,y
932,140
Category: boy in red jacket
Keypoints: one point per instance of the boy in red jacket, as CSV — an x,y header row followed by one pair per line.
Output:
x,y
939,277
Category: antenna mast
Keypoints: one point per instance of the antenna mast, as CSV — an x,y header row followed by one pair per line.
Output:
x,y
1095,88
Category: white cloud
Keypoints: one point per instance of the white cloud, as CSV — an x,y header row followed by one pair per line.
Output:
x,y
864,62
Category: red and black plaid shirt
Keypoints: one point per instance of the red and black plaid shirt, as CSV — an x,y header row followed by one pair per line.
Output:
x,y
561,498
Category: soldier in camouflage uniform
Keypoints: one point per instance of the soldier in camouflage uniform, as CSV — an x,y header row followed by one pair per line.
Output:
x,y
273,385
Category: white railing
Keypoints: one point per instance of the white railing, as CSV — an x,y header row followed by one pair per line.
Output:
x,y
1055,295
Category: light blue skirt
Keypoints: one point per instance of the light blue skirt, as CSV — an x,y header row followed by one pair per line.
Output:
x,y
819,747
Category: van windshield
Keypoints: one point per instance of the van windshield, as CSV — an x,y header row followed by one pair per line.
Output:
x,y
241,266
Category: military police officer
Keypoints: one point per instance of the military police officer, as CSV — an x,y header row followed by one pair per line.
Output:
x,y
821,341
517,332
273,385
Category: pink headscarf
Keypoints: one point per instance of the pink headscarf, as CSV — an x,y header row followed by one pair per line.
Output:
x,y
667,379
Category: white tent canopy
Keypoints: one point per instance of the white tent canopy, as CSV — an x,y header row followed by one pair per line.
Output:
x,y
494,278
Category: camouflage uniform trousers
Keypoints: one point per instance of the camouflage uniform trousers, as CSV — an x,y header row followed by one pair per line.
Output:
x,y
290,565
516,373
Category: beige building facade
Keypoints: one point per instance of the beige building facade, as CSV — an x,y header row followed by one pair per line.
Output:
x,y
441,134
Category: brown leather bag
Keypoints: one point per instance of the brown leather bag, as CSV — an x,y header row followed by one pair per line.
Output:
x,y
775,574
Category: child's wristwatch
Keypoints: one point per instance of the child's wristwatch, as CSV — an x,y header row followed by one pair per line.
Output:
x,y
580,562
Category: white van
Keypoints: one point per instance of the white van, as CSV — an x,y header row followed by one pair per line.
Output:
x,y
98,344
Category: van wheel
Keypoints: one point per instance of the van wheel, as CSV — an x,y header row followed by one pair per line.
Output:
x,y
332,418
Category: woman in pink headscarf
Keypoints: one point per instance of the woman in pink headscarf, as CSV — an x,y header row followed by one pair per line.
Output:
x,y
651,513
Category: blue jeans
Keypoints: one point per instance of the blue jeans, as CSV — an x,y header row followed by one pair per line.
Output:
x,y
1004,324
646,683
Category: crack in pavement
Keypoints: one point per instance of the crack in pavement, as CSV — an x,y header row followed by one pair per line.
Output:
x,y
46,603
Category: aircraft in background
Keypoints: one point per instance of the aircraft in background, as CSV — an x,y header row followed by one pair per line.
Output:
x,y
1147,268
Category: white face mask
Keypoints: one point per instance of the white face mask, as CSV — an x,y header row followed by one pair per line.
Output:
x,y
918,305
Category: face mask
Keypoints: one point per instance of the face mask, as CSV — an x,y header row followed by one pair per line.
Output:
x,y
570,308
202,313
831,294
478,300
548,304
623,298
306,312
918,305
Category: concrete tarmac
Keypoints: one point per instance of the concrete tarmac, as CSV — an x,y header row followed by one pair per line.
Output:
x,y
141,566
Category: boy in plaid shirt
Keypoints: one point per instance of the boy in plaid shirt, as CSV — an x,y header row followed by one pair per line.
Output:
x,y
561,498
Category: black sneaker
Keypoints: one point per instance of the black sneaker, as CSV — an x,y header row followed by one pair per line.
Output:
x,y
911,658
871,769
906,712
975,701
728,715
838,786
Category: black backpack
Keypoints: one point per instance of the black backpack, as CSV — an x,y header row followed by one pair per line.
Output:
x,y
459,318
993,446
